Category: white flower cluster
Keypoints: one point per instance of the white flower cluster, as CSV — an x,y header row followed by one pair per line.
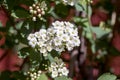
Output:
x,y
70,2
58,68
65,36
38,10
60,36
34,75
40,40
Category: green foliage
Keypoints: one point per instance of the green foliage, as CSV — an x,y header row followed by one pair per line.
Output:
x,y
43,77
62,78
107,76
21,13
21,24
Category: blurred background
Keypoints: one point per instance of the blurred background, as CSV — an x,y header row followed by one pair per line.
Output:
x,y
82,63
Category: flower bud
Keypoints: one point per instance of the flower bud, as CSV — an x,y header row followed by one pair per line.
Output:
x,y
37,7
31,11
38,10
43,13
30,7
39,15
34,18
34,5
35,12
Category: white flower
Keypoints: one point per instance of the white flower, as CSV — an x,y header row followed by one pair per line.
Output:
x,y
42,31
30,36
59,33
40,44
33,42
56,24
69,46
53,65
65,37
65,71
37,34
43,50
57,42
45,54
59,48
77,41
54,74
49,48
60,70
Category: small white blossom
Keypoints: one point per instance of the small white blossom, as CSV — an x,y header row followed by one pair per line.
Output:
x,y
64,71
30,36
43,50
54,74
49,48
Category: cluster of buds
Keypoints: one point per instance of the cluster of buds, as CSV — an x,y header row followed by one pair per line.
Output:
x,y
34,75
58,68
38,10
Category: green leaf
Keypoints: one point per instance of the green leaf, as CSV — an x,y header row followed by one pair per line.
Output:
x,y
12,3
62,78
78,7
50,57
107,76
19,25
99,32
43,77
22,13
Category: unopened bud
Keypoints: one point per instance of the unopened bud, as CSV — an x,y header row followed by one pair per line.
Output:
x,y
34,18
38,10
31,11
37,7
30,7
43,12
34,5
35,12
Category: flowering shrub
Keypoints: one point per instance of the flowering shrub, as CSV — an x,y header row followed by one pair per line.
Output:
x,y
39,31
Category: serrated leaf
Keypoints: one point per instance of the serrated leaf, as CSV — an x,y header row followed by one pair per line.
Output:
x,y
62,78
43,77
107,76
